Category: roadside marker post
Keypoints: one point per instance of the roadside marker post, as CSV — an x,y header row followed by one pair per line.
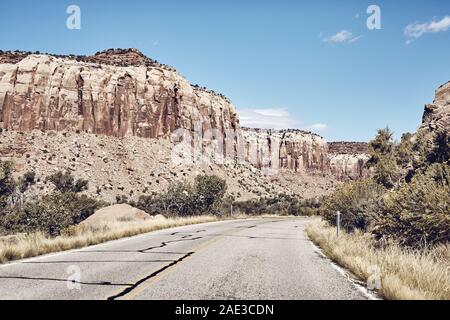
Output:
x,y
338,223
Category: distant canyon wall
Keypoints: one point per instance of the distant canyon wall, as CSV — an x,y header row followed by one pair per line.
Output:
x,y
292,150
348,160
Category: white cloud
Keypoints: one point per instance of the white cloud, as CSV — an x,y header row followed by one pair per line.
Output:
x,y
355,39
268,119
275,118
342,36
417,30
317,127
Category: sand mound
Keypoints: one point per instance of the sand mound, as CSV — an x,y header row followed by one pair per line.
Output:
x,y
118,212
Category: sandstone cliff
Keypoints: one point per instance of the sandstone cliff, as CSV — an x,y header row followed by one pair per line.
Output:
x,y
293,150
117,93
348,159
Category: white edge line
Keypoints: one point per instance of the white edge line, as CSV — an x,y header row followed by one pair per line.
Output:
x,y
368,294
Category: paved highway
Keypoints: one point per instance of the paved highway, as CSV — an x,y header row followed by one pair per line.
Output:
x,y
268,258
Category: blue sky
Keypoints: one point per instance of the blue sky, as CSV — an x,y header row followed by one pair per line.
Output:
x,y
305,64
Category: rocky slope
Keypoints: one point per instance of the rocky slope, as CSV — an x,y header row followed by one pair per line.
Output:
x,y
132,166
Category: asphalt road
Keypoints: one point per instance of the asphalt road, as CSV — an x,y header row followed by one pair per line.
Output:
x,y
267,258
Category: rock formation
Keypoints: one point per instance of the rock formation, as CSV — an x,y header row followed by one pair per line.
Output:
x,y
348,159
437,114
293,150
118,116
117,93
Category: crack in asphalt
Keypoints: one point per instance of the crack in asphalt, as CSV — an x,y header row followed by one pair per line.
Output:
x,y
95,261
127,251
129,286
165,243
190,233
257,237
101,283
154,274
187,237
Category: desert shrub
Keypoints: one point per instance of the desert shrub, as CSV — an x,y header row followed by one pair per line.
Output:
x,y
178,200
27,180
440,152
281,204
418,213
7,183
383,159
80,185
51,214
122,199
386,172
209,191
360,204
381,147
204,196
65,182
404,150
150,204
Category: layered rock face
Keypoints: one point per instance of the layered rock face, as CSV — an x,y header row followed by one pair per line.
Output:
x,y
293,150
437,114
119,97
348,159
116,93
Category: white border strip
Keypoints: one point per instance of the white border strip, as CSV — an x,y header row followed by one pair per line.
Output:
x,y
368,294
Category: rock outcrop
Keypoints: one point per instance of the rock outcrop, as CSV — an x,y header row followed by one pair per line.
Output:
x,y
293,150
348,159
437,115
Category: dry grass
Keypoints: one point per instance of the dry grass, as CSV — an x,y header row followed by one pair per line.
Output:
x,y
405,274
31,245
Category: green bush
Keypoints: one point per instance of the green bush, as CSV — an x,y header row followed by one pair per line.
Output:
x,y
65,182
208,192
360,204
7,184
184,199
51,214
418,213
383,158
440,152
281,204
386,173
27,180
